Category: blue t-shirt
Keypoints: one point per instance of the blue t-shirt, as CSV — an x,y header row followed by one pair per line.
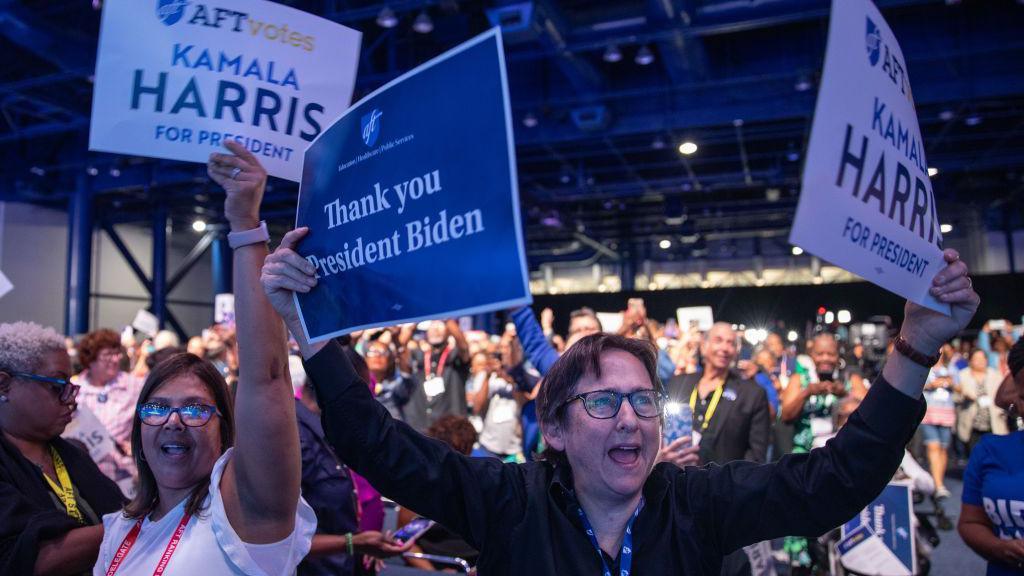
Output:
x,y
994,480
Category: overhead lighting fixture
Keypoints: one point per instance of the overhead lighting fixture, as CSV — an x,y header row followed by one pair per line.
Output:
x,y
947,115
115,172
665,244
644,56
797,250
687,148
652,286
387,18
932,171
972,120
36,170
946,228
612,54
658,143
803,84
423,24
199,225
792,155
530,120
92,171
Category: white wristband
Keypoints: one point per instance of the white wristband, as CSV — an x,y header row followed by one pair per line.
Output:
x,y
246,237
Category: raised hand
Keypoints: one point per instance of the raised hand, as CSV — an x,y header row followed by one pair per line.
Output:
x,y
244,180
926,329
284,273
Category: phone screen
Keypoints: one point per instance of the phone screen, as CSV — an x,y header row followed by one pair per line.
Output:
x,y
413,529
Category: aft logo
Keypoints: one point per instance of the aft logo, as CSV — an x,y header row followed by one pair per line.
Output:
x,y
370,124
170,11
873,40
878,51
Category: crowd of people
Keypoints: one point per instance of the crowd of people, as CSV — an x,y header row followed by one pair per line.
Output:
x,y
246,451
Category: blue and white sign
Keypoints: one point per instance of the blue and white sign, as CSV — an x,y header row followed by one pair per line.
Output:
x,y
866,202
412,202
177,78
880,540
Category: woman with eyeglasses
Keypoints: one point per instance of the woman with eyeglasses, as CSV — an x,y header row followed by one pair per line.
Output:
x,y
52,495
110,393
218,481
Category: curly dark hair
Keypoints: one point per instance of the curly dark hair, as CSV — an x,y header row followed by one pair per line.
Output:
x,y
455,431
1015,359
94,342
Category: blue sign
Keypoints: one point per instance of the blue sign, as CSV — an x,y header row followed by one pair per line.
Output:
x,y
889,518
412,201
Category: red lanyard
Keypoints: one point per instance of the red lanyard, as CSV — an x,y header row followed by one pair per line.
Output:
x,y
440,363
133,535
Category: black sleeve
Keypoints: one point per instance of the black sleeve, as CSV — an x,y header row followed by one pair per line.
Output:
x,y
478,498
760,426
805,494
23,527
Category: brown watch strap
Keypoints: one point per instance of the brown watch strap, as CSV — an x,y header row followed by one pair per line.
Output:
x,y
908,351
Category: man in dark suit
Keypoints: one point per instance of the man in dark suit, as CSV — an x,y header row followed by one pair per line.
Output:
x,y
730,413
731,419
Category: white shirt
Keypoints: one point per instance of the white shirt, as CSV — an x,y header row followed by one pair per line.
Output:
x,y
209,545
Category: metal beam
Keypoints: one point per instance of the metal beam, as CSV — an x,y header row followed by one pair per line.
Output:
x,y
79,268
159,292
126,254
191,259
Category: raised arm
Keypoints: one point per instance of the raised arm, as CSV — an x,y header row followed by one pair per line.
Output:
x,y
809,494
464,494
537,348
261,482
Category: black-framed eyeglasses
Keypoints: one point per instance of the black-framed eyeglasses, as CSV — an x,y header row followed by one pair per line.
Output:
x,y
191,415
604,404
61,387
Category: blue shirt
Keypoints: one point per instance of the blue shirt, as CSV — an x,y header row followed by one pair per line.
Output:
x,y
994,480
329,490
765,381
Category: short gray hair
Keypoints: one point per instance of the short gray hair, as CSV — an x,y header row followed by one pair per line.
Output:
x,y
22,345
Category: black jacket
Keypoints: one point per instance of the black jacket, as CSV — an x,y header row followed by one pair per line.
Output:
x,y
740,428
28,513
518,515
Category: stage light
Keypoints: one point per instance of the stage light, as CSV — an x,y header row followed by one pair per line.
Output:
x,y
423,24
932,171
612,54
644,56
792,336
687,148
665,244
830,317
946,228
199,225
844,316
797,250
387,18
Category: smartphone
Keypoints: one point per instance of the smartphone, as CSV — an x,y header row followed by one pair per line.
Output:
x,y
678,421
997,324
635,303
413,529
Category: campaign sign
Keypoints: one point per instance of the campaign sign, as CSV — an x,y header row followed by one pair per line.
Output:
x,y
177,78
880,540
866,202
412,202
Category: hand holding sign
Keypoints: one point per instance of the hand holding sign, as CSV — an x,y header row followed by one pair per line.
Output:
x,y
926,329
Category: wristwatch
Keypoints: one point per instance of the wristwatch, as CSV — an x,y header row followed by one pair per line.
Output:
x,y
908,351
246,237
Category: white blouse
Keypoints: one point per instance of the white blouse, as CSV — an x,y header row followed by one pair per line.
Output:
x,y
209,544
